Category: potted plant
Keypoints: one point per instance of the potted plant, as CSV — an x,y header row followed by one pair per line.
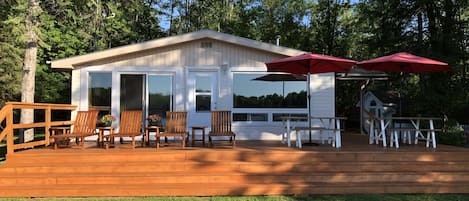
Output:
x,y
154,120
107,120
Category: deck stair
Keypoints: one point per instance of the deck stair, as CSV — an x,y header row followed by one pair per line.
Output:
x,y
226,171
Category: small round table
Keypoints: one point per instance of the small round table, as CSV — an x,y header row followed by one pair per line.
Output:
x,y
101,130
201,128
147,133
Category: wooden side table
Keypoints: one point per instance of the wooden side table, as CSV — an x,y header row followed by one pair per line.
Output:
x,y
100,141
58,130
201,128
147,133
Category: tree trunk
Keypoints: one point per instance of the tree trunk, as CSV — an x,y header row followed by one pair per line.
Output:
x,y
29,69
171,19
420,31
420,47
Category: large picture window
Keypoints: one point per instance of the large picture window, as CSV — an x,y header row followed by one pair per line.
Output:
x,y
99,91
250,93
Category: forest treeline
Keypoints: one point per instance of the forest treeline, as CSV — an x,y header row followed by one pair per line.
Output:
x,y
361,29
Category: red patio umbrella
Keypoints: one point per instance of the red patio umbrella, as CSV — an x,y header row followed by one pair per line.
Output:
x,y
404,62
309,63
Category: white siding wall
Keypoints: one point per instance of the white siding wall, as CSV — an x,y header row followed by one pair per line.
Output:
x,y
192,54
322,95
76,94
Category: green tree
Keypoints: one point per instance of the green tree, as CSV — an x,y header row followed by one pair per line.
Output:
x,y
11,37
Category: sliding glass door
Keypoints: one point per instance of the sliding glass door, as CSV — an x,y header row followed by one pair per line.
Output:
x,y
151,93
131,93
160,94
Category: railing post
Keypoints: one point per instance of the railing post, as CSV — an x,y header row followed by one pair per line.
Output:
x,y
48,124
9,129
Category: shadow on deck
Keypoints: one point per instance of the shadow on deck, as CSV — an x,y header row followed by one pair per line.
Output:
x,y
252,168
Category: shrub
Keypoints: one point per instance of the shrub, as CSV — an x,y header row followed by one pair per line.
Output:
x,y
453,135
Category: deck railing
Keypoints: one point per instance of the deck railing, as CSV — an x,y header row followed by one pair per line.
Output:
x,y
7,115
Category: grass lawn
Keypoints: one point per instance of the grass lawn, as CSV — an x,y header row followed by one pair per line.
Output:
x,y
373,197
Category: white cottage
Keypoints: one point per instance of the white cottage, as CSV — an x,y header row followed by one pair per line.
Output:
x,y
197,72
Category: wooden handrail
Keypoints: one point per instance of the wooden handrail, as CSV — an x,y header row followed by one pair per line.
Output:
x,y
372,116
42,124
21,105
3,113
6,114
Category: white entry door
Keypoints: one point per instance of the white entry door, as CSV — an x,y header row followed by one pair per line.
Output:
x,y
202,97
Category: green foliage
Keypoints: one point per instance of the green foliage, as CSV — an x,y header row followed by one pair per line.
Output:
x,y
10,68
11,51
55,86
281,18
453,135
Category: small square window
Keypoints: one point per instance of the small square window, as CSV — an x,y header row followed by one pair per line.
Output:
x,y
206,45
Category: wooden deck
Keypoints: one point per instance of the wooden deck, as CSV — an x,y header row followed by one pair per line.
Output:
x,y
252,168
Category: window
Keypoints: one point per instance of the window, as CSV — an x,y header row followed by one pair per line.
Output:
x,y
203,93
160,94
277,116
249,116
99,91
250,93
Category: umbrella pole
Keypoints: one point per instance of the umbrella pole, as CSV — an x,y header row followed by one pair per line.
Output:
x,y
283,93
399,94
362,105
309,108
310,143
362,89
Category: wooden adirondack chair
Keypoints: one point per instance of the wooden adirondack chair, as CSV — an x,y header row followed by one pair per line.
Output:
x,y
175,127
221,126
130,126
83,126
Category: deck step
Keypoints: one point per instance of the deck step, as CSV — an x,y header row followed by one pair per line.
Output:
x,y
235,178
84,156
245,167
